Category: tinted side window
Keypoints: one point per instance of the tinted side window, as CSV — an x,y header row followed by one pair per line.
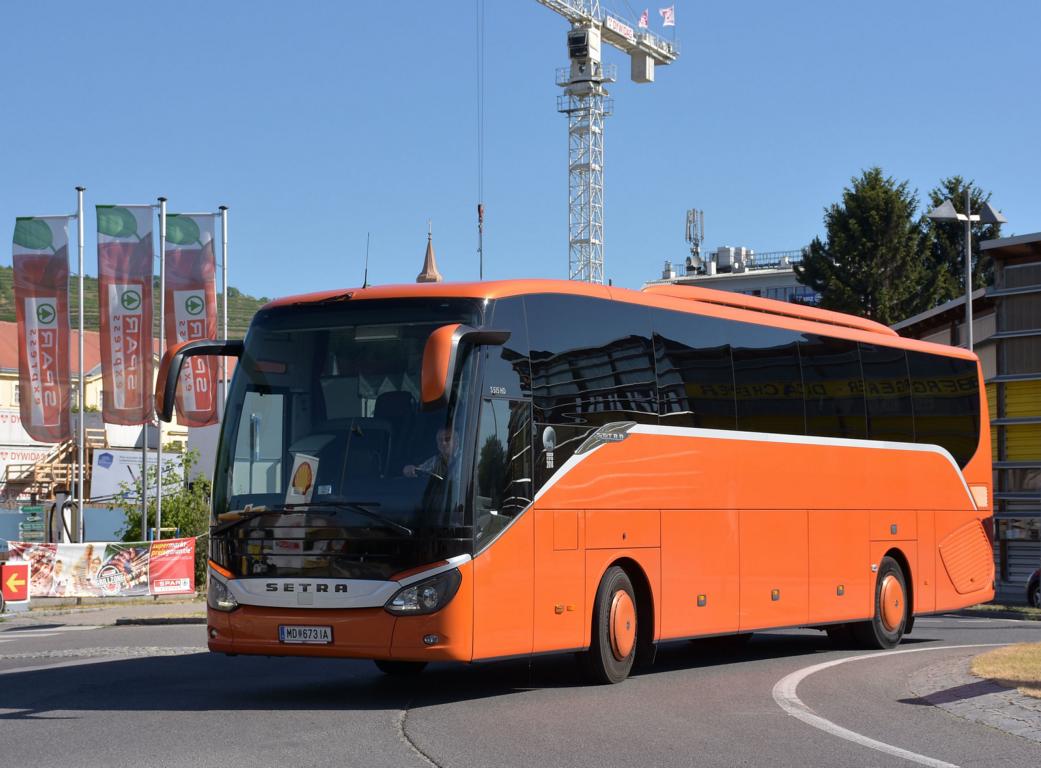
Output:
x,y
767,381
887,391
507,372
504,464
591,361
833,387
695,372
946,403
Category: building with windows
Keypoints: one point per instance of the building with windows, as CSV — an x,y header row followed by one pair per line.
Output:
x,y
741,270
1007,333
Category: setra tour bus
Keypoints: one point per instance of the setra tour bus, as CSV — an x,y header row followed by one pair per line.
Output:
x,y
467,472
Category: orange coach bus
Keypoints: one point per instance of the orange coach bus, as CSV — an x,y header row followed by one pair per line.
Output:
x,y
466,472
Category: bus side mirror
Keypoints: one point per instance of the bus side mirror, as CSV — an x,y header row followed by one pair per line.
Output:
x,y
439,358
170,368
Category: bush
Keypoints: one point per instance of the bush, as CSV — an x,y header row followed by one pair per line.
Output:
x,y
186,507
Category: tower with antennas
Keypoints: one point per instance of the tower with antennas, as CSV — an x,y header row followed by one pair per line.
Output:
x,y
695,237
585,102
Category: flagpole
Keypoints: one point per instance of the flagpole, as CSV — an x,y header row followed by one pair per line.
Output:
x,y
224,307
162,350
78,518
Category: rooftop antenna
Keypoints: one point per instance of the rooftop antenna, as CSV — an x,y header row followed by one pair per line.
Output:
x,y
480,239
695,236
365,280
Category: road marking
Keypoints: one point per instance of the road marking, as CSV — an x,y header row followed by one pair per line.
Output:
x,y
785,695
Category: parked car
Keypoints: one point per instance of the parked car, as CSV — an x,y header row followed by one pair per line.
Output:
x,y
1034,589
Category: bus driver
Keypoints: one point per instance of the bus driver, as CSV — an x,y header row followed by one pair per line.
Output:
x,y
437,465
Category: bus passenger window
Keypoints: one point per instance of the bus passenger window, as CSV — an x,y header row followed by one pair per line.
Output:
x,y
833,387
767,380
695,373
946,398
507,371
503,458
888,394
591,361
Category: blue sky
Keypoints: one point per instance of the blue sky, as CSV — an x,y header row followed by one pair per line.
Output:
x,y
318,122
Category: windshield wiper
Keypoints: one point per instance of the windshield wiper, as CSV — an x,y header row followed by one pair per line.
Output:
x,y
227,520
232,519
362,508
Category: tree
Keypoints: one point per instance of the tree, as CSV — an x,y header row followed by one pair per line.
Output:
x,y
873,261
186,507
946,241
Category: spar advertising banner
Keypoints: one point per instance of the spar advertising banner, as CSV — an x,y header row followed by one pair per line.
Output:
x,y
165,567
41,294
191,311
125,299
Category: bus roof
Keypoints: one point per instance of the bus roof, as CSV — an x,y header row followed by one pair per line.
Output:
x,y
676,297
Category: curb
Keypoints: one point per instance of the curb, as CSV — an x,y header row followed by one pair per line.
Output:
x,y
975,613
158,621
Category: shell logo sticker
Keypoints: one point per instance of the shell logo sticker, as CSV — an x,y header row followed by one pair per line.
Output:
x,y
301,484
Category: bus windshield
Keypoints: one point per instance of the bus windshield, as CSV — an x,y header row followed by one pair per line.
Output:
x,y
327,466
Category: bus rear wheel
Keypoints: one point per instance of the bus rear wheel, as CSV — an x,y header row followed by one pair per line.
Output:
x,y
887,625
399,668
612,647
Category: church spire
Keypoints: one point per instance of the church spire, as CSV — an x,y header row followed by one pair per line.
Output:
x,y
429,273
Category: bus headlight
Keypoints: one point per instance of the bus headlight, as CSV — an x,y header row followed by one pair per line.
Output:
x,y
219,597
426,596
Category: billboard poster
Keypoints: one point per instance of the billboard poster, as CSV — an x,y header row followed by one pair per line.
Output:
x,y
117,569
41,292
116,473
125,299
191,311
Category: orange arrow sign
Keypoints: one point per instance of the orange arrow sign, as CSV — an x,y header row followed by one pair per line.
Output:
x,y
15,581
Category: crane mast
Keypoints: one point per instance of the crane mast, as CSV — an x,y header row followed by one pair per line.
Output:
x,y
586,103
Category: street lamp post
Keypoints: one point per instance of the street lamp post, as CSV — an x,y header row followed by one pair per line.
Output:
x,y
946,212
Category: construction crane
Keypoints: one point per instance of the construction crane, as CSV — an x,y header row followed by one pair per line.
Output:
x,y
586,104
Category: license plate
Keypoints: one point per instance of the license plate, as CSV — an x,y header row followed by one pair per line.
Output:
x,y
310,635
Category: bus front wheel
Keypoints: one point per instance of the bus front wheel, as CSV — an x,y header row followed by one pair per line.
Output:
x,y
612,647
887,625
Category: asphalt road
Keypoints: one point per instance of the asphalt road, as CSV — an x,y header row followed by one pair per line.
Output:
x,y
143,696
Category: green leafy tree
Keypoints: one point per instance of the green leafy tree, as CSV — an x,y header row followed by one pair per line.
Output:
x,y
946,241
186,507
872,262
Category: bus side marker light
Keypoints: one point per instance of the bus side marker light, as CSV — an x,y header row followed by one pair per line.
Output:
x,y
874,567
892,529
702,601
840,590
775,594
431,639
558,608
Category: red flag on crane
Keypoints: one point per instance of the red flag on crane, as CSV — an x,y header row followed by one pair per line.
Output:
x,y
668,16
645,18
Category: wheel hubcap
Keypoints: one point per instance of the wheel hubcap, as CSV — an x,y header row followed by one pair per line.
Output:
x,y
623,625
892,602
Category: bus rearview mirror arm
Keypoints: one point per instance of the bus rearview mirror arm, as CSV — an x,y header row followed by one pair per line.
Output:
x,y
440,354
170,368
